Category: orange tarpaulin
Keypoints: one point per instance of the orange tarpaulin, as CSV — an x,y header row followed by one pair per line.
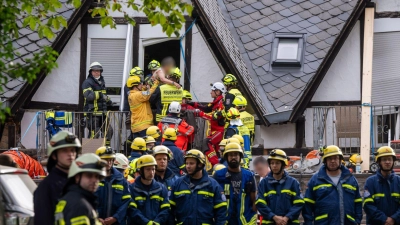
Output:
x,y
24,161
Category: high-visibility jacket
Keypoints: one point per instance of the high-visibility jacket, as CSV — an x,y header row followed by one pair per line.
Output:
x,y
242,131
148,206
93,91
382,198
245,214
183,128
199,204
168,180
329,203
249,122
163,96
279,198
77,206
177,163
113,197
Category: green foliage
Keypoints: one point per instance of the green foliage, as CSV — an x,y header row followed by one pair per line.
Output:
x,y
41,16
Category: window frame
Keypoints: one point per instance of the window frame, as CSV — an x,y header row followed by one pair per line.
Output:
x,y
275,62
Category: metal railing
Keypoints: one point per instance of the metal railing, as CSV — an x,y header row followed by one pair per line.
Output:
x,y
341,125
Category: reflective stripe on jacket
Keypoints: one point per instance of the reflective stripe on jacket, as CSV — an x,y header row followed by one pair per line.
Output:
x,y
148,205
328,203
199,204
281,198
382,198
167,94
92,92
246,215
114,197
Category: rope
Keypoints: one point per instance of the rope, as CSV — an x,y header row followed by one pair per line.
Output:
x,y
183,54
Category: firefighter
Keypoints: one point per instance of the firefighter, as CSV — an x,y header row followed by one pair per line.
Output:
x,y
217,167
332,195
167,93
135,71
236,127
150,143
164,174
154,132
62,151
239,187
150,204
279,199
213,112
172,120
113,193
121,163
138,148
240,103
382,190
197,198
230,82
162,74
153,66
187,97
222,145
96,103
141,115
78,203
246,159
177,163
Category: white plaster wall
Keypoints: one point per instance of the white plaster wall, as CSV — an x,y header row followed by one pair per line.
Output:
x,y
342,81
204,68
309,129
387,5
279,136
62,84
29,141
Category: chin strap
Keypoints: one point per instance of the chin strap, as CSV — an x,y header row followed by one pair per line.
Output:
x,y
62,167
198,168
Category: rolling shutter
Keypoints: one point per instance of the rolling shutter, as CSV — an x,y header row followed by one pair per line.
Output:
x,y
386,69
110,53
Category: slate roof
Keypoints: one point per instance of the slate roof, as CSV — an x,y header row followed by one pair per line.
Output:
x,y
253,24
29,43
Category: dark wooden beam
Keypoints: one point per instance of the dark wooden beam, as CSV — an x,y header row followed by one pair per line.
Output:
x,y
122,20
379,15
28,90
300,132
12,142
188,56
53,105
313,85
83,61
135,44
334,103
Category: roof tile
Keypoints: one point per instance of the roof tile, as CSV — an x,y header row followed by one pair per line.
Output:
x,y
237,23
295,18
295,93
250,46
260,62
296,9
313,29
320,54
312,49
288,78
285,23
277,93
294,28
306,78
298,1
322,45
267,11
246,19
323,25
237,13
245,38
245,29
275,17
304,24
305,15
345,7
23,41
278,83
298,83
315,10
255,34
277,7
250,1
230,7
335,11
260,51
317,2
265,21
275,27
286,13
344,16
261,42
330,40
255,25
286,98
260,71
333,31
268,2
314,19
256,15
239,4
268,87
307,5
336,2
323,35
258,5
265,30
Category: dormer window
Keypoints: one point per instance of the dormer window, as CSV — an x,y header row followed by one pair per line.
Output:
x,y
287,49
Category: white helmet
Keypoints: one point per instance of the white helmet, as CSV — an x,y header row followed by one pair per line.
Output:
x,y
121,162
96,66
174,107
218,86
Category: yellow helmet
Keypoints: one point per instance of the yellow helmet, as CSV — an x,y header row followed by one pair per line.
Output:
x,y
278,154
133,81
161,149
240,138
153,131
232,140
121,162
233,147
194,153
384,151
223,142
240,101
169,134
186,94
138,144
331,150
232,114
88,162
105,152
154,65
229,79
175,72
136,71
353,158
146,160
149,139
218,167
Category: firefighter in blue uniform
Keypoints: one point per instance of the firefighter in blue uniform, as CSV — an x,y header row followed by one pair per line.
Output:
x,y
164,174
150,204
196,198
239,187
279,199
113,193
333,195
382,191
177,163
